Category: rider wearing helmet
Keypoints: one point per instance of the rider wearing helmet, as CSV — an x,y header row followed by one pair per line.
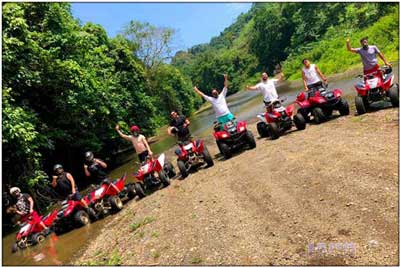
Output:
x,y
138,140
94,167
65,185
24,206
368,55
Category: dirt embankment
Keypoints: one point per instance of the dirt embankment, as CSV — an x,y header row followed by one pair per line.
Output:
x,y
333,186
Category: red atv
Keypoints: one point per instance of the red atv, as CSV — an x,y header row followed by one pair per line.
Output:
x,y
376,86
277,119
192,153
152,174
72,215
106,198
32,232
231,136
321,103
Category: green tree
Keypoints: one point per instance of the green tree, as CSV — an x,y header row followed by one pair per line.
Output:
x,y
152,44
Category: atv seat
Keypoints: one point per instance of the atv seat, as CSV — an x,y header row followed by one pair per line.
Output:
x,y
217,126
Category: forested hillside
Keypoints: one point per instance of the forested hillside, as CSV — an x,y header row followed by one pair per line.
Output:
x,y
66,85
271,35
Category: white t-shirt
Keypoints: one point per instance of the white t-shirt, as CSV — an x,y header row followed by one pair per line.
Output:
x,y
311,74
219,104
268,90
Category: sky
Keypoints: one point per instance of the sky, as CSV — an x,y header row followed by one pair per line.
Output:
x,y
195,23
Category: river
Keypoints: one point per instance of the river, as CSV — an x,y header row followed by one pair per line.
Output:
x,y
56,250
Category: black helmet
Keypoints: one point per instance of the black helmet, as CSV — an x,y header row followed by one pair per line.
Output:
x,y
89,156
57,167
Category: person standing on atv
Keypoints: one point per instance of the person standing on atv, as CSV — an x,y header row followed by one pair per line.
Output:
x,y
368,55
267,87
65,185
312,76
179,126
218,102
24,206
138,140
96,168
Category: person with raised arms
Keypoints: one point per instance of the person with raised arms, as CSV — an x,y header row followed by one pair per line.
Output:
x,y
218,102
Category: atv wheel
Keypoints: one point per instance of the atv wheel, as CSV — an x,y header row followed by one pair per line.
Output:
x,y
250,139
225,150
319,115
169,169
273,130
304,113
164,178
207,157
360,107
116,203
344,109
92,214
394,95
37,238
139,190
14,248
299,121
262,129
182,169
328,112
81,218
131,191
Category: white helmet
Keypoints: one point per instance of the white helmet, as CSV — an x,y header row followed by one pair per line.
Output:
x,y
14,190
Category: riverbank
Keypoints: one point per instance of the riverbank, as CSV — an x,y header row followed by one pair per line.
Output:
x,y
334,183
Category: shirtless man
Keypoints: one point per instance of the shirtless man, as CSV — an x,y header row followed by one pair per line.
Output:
x,y
139,142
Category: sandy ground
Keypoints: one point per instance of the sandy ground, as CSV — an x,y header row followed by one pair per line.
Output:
x,y
332,186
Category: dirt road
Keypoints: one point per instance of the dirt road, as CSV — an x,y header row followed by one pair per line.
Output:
x,y
332,186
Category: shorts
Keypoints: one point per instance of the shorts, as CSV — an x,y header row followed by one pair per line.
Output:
x,y
77,196
224,119
142,156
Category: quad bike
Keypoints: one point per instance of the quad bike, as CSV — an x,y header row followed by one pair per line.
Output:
x,y
72,215
192,153
376,86
277,119
151,174
106,198
321,103
231,136
32,232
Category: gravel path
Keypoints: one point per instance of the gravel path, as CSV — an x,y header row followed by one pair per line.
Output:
x,y
332,186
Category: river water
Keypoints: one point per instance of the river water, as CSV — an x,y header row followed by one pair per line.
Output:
x,y
245,105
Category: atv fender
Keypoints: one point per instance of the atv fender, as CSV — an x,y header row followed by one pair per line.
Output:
x,y
289,110
337,93
261,117
200,146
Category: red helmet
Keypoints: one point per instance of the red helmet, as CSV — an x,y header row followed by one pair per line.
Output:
x,y
134,128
